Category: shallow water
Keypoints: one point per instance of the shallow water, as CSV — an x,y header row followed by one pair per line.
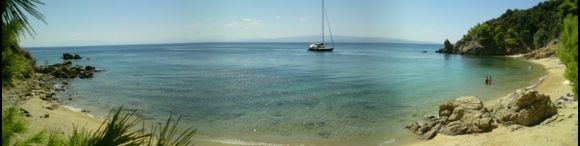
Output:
x,y
362,93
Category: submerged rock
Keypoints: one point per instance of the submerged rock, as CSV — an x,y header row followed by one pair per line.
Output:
x,y
524,107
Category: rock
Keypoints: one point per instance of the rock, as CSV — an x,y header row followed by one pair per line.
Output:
x,y
25,112
431,133
425,129
563,101
88,67
69,56
447,47
77,56
464,102
515,127
44,116
463,115
524,107
549,120
324,134
547,51
65,71
466,115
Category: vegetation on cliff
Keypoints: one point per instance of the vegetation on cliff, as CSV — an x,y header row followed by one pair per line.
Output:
x,y
568,49
514,32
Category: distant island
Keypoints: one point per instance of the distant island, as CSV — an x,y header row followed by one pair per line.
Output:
x,y
341,39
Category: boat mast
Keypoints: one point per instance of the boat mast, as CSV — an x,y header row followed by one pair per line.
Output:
x,y
322,22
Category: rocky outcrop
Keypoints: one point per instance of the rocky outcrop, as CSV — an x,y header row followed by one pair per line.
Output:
x,y
67,71
69,56
466,115
524,107
548,51
426,128
463,115
447,47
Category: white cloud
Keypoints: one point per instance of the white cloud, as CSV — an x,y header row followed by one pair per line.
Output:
x,y
276,17
245,23
302,19
192,25
233,24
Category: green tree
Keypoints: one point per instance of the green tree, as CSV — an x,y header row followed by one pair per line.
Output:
x,y
540,38
511,39
568,50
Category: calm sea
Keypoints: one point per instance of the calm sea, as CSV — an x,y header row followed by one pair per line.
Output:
x,y
279,93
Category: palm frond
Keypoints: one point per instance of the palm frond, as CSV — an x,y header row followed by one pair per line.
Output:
x,y
116,130
18,10
170,136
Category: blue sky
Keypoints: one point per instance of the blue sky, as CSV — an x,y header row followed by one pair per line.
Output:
x,y
104,22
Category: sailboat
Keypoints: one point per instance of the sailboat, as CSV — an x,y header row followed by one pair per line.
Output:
x,y
319,47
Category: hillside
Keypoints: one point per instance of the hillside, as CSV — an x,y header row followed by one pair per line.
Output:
x,y
514,32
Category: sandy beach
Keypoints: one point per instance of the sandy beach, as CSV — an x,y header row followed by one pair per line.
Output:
x,y
62,119
563,131
44,111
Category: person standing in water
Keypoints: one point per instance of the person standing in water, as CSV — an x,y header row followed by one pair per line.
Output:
x,y
487,82
490,80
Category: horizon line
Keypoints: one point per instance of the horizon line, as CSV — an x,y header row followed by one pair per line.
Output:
x,y
171,43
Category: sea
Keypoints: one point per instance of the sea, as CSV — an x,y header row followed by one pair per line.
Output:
x,y
282,94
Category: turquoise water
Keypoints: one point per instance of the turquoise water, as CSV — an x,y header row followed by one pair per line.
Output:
x,y
362,93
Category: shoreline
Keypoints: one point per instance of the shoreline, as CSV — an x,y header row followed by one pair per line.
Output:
x,y
564,131
37,98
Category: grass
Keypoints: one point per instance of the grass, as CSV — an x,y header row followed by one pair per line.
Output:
x,y
12,124
168,135
120,128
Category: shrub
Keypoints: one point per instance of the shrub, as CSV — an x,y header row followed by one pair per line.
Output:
x,y
568,50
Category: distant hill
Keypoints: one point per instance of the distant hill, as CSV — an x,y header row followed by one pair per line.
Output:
x,y
514,32
339,39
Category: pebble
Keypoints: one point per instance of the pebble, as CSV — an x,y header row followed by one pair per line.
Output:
x,y
25,112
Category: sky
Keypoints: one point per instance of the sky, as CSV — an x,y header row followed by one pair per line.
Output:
x,y
106,22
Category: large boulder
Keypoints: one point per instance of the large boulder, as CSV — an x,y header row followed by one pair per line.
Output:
x,y
524,107
465,115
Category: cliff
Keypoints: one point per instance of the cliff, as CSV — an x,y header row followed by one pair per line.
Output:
x,y
514,32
